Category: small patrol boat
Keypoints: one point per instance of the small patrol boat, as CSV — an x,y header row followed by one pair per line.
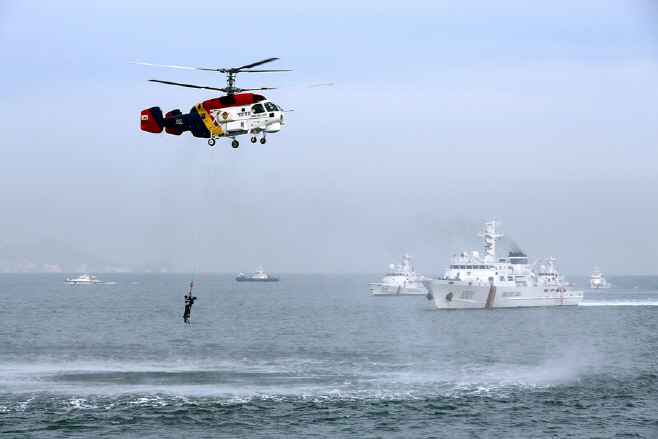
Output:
x,y
490,281
259,276
84,279
401,280
597,280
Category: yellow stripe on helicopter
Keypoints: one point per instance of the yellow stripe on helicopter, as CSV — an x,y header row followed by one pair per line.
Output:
x,y
207,119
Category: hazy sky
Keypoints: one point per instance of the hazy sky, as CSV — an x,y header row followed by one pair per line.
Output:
x,y
541,115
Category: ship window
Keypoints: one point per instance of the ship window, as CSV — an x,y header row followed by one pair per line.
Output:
x,y
545,290
469,267
510,278
502,277
462,267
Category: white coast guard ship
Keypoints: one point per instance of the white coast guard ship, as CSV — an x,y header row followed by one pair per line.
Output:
x,y
597,280
401,280
474,281
84,279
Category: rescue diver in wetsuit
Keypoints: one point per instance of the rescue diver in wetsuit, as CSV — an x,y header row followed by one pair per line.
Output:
x,y
186,314
189,301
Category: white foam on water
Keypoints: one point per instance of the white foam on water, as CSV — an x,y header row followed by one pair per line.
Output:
x,y
483,379
241,380
638,302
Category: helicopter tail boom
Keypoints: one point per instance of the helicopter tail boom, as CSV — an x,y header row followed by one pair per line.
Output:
x,y
175,130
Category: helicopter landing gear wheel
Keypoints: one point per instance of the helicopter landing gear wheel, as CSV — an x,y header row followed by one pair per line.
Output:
x,y
235,143
211,142
262,140
253,139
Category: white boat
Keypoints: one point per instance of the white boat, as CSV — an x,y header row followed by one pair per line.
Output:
x,y
401,280
597,280
259,276
474,281
84,279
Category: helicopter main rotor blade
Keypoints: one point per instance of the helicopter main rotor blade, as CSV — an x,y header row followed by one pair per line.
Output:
x,y
223,70
174,67
280,88
248,66
187,85
257,71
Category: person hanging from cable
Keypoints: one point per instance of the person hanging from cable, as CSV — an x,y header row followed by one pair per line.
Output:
x,y
186,314
189,301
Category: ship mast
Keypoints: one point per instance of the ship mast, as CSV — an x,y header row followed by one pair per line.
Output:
x,y
490,236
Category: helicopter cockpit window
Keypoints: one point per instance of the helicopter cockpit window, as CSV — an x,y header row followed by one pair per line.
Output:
x,y
270,106
257,109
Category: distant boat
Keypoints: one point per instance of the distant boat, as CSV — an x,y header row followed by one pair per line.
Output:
x,y
259,276
84,279
597,280
401,280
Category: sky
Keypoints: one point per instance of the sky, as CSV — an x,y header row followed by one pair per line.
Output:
x,y
443,115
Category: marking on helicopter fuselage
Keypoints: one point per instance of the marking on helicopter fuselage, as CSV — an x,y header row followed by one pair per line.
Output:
x,y
211,125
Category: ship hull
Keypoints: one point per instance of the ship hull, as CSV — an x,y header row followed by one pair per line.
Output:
x,y
72,282
396,290
461,295
248,279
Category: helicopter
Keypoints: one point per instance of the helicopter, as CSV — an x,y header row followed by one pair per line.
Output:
x,y
235,114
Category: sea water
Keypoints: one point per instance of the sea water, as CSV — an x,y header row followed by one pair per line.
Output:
x,y
319,356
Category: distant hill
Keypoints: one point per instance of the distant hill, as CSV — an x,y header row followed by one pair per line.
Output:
x,y
51,256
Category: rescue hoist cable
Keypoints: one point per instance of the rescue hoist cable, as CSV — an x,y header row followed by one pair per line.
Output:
x,y
203,210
